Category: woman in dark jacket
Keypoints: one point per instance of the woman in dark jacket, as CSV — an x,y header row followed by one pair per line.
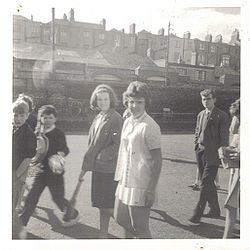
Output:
x,y
101,155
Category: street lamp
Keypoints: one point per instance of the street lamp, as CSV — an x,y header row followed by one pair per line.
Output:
x,y
167,56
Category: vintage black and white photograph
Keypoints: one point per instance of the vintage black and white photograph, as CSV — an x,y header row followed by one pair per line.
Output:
x,y
126,120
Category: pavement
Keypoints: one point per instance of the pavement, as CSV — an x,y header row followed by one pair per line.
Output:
x,y
168,220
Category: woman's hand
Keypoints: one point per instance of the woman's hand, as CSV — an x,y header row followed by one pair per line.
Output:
x,y
150,198
83,172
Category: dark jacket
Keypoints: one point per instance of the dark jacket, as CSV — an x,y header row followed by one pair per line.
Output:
x,y
102,152
57,142
216,134
23,145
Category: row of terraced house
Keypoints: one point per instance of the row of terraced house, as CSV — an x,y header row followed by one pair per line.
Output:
x,y
89,52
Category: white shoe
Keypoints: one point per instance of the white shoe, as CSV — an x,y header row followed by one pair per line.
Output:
x,y
71,223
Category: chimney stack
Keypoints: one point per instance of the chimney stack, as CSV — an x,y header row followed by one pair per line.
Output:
x,y
218,39
132,29
208,38
103,23
65,17
161,32
187,35
71,15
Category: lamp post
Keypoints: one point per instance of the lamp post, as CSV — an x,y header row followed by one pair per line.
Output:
x,y
53,43
167,55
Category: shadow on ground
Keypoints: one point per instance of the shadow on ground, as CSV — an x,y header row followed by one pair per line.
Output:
x,y
78,231
207,230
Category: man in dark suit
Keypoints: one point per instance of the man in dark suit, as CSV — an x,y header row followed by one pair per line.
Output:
x,y
211,132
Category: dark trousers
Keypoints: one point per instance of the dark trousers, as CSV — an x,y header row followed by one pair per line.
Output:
x,y
208,191
55,183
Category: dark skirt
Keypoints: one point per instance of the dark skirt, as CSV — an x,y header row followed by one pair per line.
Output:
x,y
103,189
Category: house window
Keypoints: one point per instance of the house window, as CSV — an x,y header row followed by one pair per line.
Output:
x,y
182,72
176,56
225,50
117,41
200,75
35,29
131,41
85,34
101,36
63,37
201,59
163,42
177,44
212,49
46,35
202,46
189,45
225,60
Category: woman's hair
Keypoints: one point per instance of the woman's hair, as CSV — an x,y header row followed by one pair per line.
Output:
x,y
20,107
103,88
47,110
138,89
235,108
27,99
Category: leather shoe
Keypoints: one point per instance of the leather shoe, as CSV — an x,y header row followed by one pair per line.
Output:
x,y
194,220
210,214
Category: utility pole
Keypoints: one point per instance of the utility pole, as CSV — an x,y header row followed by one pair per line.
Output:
x,y
167,56
53,42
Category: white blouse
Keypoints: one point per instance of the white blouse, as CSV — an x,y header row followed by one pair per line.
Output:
x,y
134,165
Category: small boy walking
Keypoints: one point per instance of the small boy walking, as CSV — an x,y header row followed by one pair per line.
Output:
x,y
52,170
23,149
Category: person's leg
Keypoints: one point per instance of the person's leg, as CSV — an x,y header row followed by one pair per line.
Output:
x,y
208,193
17,225
140,221
212,196
56,188
217,181
33,197
231,213
122,217
105,214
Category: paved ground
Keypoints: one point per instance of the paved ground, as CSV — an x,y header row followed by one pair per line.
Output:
x,y
167,221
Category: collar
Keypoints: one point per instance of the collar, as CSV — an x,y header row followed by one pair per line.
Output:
x,y
140,118
209,111
49,129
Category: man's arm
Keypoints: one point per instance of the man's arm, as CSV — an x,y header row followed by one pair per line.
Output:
x,y
196,133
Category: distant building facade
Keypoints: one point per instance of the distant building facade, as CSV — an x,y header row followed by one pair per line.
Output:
x,y
191,58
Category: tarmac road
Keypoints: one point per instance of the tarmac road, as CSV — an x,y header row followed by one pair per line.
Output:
x,y
167,221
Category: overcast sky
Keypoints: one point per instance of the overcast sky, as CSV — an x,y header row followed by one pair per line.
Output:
x,y
215,17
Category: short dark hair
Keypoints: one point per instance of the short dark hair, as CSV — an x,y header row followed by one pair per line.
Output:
x,y
138,89
103,88
20,107
47,110
27,99
207,92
